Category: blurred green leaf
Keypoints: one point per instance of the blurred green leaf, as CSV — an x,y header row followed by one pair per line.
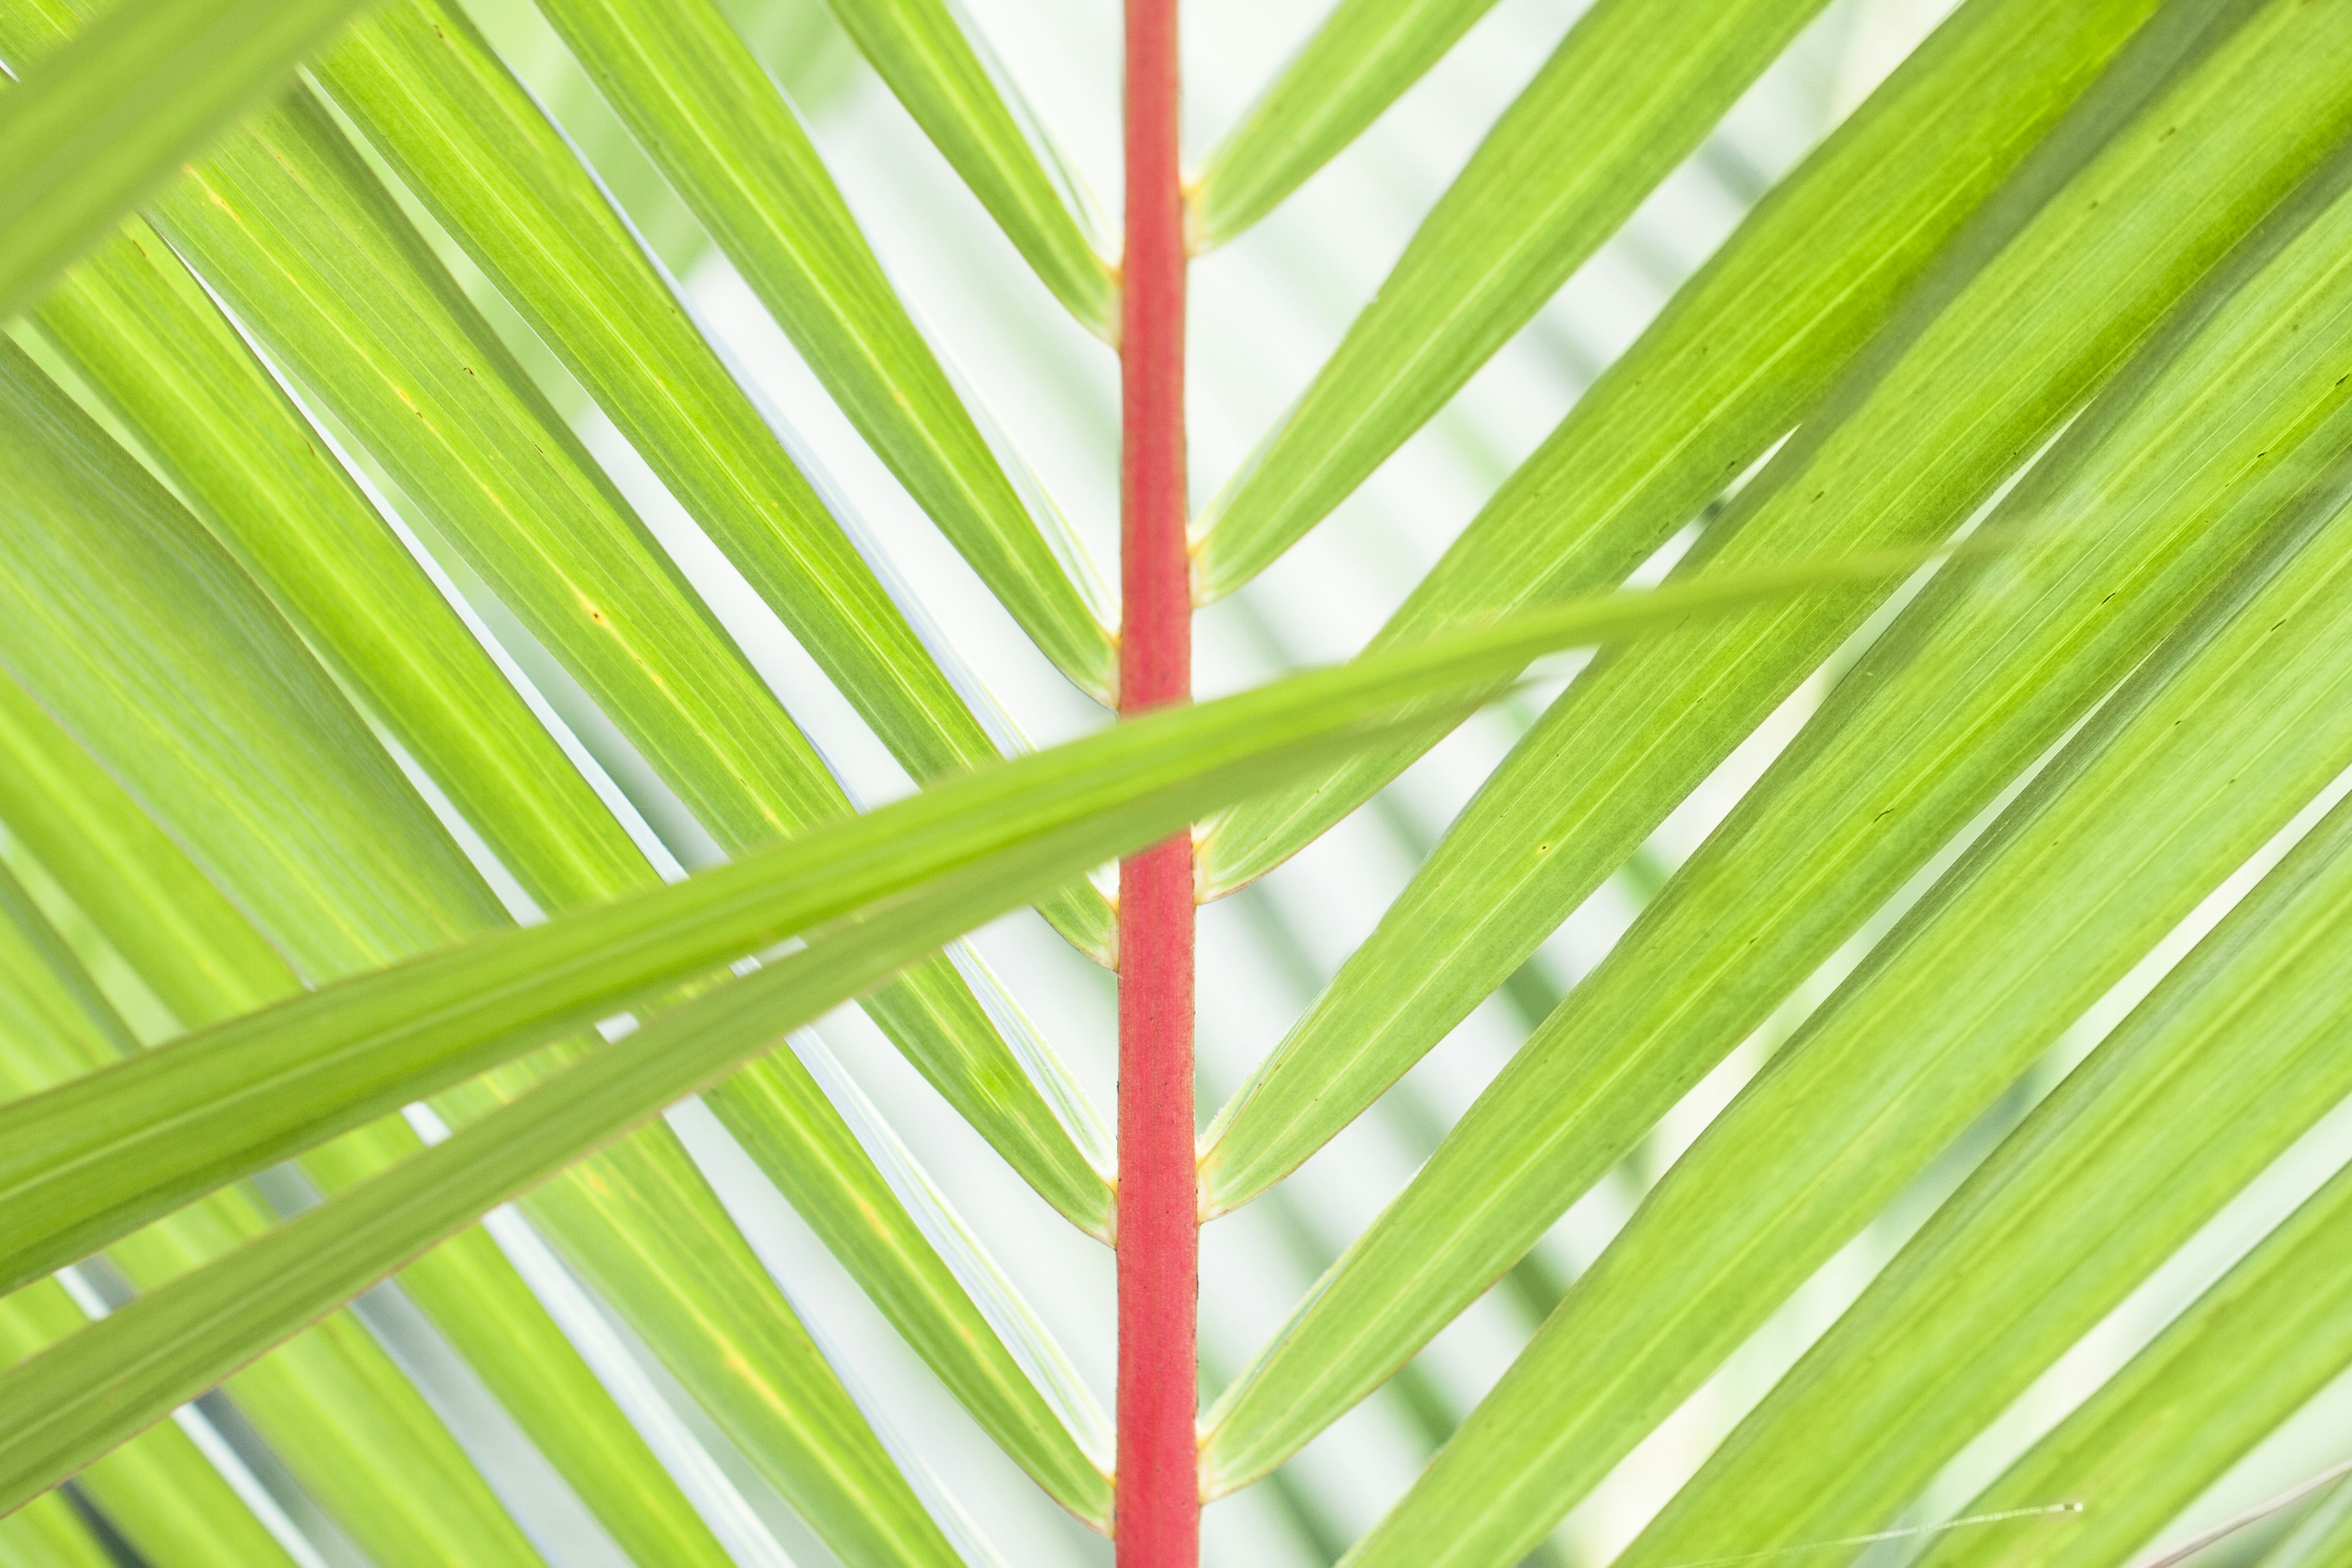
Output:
x,y
45,1534
96,129
157,1489
54,1415
93,1158
165,1347
205,960
348,1423
191,732
2324,1536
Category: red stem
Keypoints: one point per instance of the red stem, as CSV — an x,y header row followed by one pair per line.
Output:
x,y
1159,1498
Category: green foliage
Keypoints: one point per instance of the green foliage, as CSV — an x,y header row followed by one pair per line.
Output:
x,y
402,816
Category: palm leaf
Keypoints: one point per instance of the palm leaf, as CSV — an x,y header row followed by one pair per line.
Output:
x,y
98,127
779,218
1748,346
1620,103
2093,1192
2280,1310
934,59
412,577
2046,903
1995,355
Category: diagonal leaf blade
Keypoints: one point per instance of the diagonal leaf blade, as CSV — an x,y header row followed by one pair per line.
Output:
x,y
345,1420
707,115
98,1156
166,1346
1619,104
934,57
288,225
2216,741
2266,1336
212,781
462,132
2038,305
98,127
790,1123
1359,61
1750,344
2214,1076
2226,432
139,332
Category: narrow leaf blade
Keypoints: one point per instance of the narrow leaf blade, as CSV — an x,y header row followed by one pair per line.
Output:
x,y
98,127
97,1156
1745,349
934,58
1620,102
709,117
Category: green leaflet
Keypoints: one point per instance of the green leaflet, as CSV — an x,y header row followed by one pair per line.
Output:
x,y
2225,1065
45,1534
2324,1537
2183,467
935,60
210,783
1996,352
289,227
759,1374
347,1422
714,124
502,178
168,1344
2209,747
48,1001
57,1411
159,1489
1041,1415
204,960
1360,60
189,944
134,326
226,686
287,223
344,1419
639,1224
98,128
798,41
1622,101
2268,1335
1743,348
94,1158
869,1510
172,1507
